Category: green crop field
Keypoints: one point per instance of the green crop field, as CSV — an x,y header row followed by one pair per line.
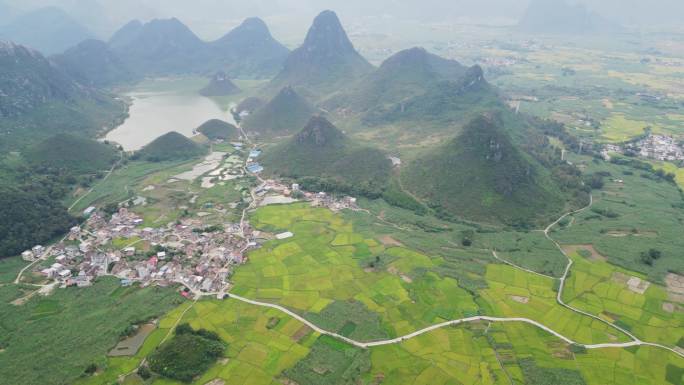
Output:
x,y
643,214
327,261
477,353
602,289
52,340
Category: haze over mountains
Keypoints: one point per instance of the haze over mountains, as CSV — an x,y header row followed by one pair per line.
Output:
x,y
49,30
326,59
562,17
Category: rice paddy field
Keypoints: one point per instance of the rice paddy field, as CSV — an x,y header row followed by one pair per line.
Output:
x,y
404,292
267,347
631,215
642,308
326,261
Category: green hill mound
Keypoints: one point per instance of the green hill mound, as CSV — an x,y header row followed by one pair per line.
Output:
x,y
76,154
322,157
407,74
443,104
169,147
325,60
219,85
482,175
283,115
216,129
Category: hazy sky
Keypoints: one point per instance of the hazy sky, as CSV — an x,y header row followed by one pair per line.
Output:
x,y
210,18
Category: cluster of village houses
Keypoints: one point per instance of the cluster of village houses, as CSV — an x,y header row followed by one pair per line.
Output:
x,y
186,252
656,147
199,256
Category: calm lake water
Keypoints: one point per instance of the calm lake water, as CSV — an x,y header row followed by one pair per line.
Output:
x,y
159,108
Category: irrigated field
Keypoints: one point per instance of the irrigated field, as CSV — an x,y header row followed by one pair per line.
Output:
x,y
326,261
626,298
266,347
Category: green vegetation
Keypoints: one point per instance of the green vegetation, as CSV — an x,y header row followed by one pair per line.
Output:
x,y
283,115
324,159
256,354
188,354
219,130
72,154
351,319
631,215
643,308
170,147
28,218
54,340
330,362
443,105
327,261
408,73
483,176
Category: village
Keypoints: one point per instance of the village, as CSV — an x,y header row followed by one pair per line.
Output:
x,y
655,147
198,256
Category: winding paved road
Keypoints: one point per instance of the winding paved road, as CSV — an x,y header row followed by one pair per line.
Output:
x,y
369,344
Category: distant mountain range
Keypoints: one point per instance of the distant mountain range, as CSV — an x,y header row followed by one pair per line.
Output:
x,y
562,17
326,59
49,30
167,46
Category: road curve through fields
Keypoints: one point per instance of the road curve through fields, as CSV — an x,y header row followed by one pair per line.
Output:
x,y
369,344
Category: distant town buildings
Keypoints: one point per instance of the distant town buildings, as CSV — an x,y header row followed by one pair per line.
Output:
x,y
655,147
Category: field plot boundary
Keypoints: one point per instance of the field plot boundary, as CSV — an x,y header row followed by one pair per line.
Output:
x,y
634,340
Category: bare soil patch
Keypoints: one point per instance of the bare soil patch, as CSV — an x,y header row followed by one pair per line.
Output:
x,y
390,242
633,233
406,278
520,299
595,255
217,381
301,333
675,287
638,285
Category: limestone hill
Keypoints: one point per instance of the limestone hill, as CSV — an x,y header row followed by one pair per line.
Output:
x,y
329,159
482,175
